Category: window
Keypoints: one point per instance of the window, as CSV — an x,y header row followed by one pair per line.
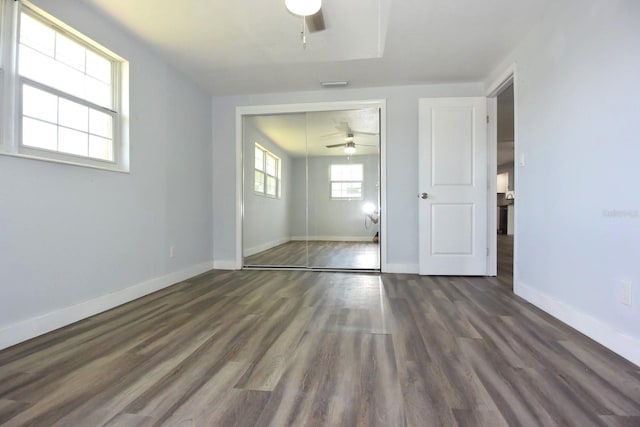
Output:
x,y
267,173
69,103
346,181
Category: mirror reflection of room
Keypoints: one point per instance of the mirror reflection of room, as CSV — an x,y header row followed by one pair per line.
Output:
x,y
311,190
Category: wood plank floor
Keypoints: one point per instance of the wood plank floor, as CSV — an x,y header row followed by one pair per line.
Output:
x,y
505,259
281,348
321,254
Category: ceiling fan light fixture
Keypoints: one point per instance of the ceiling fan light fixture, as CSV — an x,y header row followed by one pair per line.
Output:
x,y
350,148
303,7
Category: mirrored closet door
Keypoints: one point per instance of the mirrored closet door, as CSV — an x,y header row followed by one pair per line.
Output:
x,y
311,190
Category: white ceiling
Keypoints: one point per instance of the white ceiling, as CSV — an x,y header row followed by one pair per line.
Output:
x,y
302,133
253,46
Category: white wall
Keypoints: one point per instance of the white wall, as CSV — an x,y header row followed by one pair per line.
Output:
x,y
72,235
334,218
402,161
266,220
578,204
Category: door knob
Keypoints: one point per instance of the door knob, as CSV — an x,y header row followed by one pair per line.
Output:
x,y
424,196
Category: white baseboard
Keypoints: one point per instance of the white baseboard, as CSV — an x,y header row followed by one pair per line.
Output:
x,y
400,268
605,334
226,264
265,246
30,328
334,238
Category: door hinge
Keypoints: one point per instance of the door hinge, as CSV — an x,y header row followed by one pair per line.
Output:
x,y
487,119
487,251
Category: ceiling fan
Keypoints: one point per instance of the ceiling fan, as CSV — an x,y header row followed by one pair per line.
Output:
x,y
311,13
310,10
348,144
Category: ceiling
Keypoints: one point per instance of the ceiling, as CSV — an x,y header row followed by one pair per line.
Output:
x,y
254,46
302,133
505,126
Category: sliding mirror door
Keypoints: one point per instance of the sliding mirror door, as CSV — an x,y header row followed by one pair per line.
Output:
x,y
273,201
311,191
343,189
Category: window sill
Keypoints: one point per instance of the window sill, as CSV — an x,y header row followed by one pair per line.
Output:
x,y
111,168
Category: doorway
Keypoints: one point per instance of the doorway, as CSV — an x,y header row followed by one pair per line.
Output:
x,y
504,163
312,187
505,185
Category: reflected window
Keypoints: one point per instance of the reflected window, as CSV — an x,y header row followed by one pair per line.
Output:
x,y
346,181
267,173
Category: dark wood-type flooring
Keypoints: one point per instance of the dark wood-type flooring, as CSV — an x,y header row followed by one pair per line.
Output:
x,y
301,348
320,254
505,260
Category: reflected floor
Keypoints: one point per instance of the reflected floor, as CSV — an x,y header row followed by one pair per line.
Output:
x,y
322,254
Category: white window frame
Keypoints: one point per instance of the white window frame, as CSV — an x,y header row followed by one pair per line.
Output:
x,y
13,84
332,181
278,176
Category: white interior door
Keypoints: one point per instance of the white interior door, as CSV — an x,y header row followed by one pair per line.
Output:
x,y
453,186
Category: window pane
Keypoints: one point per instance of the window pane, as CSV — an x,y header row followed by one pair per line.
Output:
x,y
259,182
98,67
39,104
100,148
51,58
272,165
73,115
70,52
35,34
100,124
354,189
259,159
346,172
346,190
73,142
36,66
272,186
98,92
69,80
36,133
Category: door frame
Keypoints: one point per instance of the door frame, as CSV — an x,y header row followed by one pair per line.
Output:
x,y
255,110
507,77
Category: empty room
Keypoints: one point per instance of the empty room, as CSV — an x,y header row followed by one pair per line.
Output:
x,y
319,212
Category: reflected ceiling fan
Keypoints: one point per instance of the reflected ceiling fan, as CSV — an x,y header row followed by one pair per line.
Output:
x,y
349,145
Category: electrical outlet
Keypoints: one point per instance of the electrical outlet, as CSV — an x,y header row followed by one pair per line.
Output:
x,y
172,251
626,294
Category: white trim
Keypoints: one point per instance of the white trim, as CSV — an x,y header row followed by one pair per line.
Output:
x,y
226,264
334,238
492,198
265,246
402,268
35,326
615,340
502,81
304,108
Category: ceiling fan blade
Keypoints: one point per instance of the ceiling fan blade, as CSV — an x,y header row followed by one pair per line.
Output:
x,y
315,22
364,133
335,145
366,145
328,135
